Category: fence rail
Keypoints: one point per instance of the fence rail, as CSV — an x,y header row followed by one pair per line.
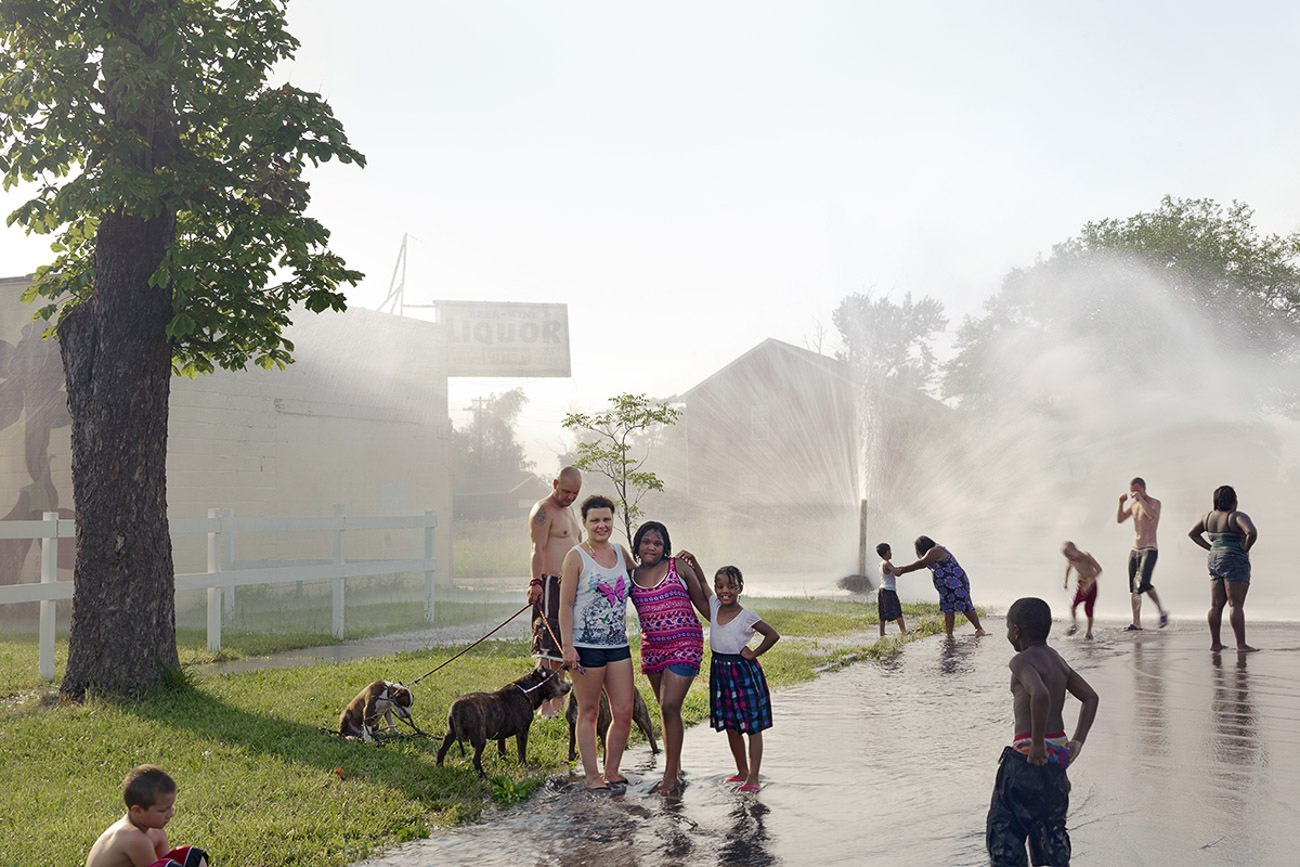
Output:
x,y
221,527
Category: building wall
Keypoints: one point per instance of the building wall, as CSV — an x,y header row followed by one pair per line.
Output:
x,y
360,419
773,429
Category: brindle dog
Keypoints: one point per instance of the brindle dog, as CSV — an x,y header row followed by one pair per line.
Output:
x,y
479,717
640,716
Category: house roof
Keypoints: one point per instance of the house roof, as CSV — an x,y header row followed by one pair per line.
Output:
x,y
822,363
513,482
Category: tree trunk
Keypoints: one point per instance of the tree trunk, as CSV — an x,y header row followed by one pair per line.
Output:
x,y
117,360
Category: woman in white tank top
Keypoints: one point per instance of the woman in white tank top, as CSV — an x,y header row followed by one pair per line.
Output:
x,y
594,585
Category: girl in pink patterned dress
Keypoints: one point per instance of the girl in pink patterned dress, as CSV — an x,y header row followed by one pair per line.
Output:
x,y
665,592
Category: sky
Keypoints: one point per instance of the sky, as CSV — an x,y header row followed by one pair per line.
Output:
x,y
693,178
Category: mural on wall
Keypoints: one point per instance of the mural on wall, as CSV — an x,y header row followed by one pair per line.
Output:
x,y
31,390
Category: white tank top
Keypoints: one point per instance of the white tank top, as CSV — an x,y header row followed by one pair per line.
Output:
x,y
888,581
600,605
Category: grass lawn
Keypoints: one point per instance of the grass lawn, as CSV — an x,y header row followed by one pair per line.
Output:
x,y
262,784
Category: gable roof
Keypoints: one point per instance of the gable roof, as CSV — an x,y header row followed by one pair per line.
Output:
x,y
824,364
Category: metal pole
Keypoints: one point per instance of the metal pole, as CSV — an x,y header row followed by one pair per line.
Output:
x,y
862,538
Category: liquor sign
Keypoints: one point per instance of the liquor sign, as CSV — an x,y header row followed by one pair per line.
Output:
x,y
500,338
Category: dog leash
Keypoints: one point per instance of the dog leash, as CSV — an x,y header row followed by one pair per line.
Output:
x,y
484,638
559,647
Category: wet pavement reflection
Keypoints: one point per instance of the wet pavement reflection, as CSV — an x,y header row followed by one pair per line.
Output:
x,y
1193,760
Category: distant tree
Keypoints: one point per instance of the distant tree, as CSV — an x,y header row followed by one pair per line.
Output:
x,y
887,341
1209,260
172,176
487,444
612,443
888,348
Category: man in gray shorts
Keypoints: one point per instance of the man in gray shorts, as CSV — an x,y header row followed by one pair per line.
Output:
x,y
1145,511
553,530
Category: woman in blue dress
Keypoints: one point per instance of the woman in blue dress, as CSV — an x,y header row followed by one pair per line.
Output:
x,y
949,579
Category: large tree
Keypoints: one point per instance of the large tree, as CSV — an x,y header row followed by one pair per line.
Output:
x,y
172,176
1129,284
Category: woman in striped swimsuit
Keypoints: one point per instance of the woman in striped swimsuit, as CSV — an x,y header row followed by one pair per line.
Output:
x,y
666,591
1231,536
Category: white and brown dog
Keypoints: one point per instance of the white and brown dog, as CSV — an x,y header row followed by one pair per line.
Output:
x,y
381,698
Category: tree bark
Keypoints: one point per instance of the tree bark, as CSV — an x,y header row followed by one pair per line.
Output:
x,y
117,360
118,364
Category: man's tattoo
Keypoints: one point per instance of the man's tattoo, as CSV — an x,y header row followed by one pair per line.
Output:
x,y
540,519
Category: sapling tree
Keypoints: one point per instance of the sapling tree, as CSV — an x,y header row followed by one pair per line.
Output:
x,y
613,443
171,176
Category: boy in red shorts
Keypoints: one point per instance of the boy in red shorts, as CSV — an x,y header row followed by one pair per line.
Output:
x,y
1087,568
138,839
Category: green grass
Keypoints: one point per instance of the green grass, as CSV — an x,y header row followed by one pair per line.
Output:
x,y
491,548
19,652
262,784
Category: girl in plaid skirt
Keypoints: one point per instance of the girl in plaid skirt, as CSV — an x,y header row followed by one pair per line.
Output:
x,y
739,703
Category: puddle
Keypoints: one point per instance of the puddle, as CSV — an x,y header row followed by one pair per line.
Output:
x,y
1193,760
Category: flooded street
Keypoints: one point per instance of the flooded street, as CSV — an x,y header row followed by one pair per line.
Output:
x,y
1194,760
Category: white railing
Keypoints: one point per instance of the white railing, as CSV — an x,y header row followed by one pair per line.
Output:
x,y
221,528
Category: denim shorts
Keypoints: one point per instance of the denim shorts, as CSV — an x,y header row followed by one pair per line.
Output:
x,y
596,657
683,669
1229,566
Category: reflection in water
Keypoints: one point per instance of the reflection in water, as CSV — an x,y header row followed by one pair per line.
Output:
x,y
746,844
1236,744
955,655
1149,695
1188,763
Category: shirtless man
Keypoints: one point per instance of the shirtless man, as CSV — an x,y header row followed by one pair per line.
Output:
x,y
1145,511
1087,569
554,530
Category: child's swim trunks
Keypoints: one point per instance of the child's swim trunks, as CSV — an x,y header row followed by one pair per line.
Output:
x,y
1029,803
181,856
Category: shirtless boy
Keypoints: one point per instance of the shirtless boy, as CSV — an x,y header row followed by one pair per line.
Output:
x,y
138,839
1145,511
553,529
1086,590
1032,795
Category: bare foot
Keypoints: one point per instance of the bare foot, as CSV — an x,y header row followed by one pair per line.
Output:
x,y
1246,648
1216,647
667,787
980,632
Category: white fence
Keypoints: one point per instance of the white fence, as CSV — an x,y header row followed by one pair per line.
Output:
x,y
221,528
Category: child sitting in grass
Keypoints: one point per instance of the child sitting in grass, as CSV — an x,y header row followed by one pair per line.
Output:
x,y
138,839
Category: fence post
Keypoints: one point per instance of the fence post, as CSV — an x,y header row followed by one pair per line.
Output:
x,y
428,555
49,574
214,593
228,563
338,582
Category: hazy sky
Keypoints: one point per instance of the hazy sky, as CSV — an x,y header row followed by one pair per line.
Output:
x,y
691,178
